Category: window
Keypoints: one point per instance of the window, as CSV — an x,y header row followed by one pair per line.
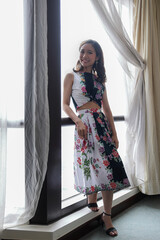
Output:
x,y
79,22
58,197
12,93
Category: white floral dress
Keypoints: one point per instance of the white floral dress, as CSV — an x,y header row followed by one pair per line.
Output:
x,y
97,164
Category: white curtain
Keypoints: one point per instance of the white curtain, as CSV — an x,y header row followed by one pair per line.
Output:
x,y
128,55
36,100
36,118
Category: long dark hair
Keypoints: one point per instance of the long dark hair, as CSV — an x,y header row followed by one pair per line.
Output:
x,y
98,67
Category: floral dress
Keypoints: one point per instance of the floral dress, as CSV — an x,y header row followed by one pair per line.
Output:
x,y
97,164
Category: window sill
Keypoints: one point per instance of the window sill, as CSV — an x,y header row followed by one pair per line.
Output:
x,y
64,225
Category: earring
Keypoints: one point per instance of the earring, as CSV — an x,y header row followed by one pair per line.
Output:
x,y
96,62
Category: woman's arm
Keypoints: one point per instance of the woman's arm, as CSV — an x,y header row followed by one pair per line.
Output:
x,y
67,90
108,114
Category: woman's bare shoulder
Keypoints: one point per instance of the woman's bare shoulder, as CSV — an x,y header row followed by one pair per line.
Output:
x,y
69,77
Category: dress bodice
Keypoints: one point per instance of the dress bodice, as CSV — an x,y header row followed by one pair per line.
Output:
x,y
86,88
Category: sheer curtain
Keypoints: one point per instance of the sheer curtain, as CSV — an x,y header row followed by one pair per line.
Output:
x,y
36,118
128,55
36,100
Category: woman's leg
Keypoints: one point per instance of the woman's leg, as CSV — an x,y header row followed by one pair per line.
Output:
x,y
107,203
92,198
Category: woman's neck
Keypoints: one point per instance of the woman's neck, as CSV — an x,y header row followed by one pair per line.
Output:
x,y
88,70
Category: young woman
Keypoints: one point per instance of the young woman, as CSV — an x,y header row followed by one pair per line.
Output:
x,y
97,164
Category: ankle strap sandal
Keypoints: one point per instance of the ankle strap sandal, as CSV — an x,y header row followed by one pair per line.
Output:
x,y
110,230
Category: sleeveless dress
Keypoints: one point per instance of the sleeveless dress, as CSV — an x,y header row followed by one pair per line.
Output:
x,y
97,164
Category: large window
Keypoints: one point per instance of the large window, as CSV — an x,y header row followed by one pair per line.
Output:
x,y
79,22
12,99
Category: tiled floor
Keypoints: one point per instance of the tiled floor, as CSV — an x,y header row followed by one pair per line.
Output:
x,y
139,222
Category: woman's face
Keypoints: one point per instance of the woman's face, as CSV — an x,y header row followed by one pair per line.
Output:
x,y
87,57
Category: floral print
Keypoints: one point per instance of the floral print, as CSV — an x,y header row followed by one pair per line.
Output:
x,y
97,165
91,87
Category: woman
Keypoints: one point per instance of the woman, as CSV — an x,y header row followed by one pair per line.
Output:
x,y
97,164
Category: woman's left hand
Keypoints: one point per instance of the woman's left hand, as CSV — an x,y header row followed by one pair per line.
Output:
x,y
115,140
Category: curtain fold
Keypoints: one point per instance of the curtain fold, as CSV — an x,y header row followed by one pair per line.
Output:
x,y
36,101
113,25
135,119
147,42
36,116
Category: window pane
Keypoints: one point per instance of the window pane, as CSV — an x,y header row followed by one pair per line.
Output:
x,y
67,162
12,94
121,133
77,26
15,193
12,58
87,25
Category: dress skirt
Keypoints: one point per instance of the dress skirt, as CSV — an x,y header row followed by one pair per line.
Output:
x,y
97,164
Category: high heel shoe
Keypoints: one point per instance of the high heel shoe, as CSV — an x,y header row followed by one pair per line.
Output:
x,y
111,229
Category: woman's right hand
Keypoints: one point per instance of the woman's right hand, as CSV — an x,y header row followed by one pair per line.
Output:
x,y
81,129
